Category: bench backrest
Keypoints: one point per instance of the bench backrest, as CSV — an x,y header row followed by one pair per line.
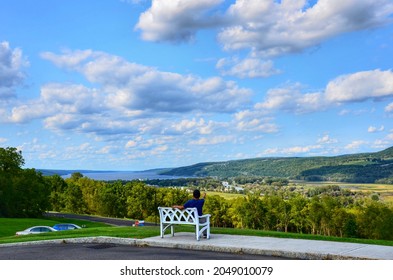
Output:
x,y
187,216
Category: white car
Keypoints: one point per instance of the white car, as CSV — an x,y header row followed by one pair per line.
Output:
x,y
35,230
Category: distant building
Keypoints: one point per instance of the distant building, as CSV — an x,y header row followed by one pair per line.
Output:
x,y
228,187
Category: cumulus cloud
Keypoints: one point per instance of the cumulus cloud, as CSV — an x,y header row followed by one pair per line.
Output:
x,y
373,85
255,121
270,28
12,63
360,86
126,98
138,87
176,20
264,27
291,99
246,68
56,99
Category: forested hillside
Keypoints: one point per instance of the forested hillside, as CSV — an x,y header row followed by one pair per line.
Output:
x,y
356,168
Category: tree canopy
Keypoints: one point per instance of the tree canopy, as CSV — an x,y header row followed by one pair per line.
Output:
x,y
10,159
23,192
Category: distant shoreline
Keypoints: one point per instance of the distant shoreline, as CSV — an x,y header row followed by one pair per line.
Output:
x,y
112,175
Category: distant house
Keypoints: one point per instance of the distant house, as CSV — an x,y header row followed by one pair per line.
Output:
x,y
228,187
225,184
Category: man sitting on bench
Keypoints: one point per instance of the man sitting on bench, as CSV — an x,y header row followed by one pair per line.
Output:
x,y
197,203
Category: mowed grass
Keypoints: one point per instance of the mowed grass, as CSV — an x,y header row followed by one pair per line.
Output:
x,y
8,227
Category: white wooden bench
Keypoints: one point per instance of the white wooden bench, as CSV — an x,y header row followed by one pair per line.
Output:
x,y
172,216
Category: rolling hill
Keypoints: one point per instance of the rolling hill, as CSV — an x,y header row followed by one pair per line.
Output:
x,y
358,168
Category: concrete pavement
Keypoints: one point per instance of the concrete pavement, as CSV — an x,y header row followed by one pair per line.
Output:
x,y
268,246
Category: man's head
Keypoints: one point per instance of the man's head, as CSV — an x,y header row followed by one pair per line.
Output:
x,y
196,194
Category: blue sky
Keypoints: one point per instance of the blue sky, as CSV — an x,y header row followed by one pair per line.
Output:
x,y
137,84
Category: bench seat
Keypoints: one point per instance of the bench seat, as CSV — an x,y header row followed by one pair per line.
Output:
x,y
172,216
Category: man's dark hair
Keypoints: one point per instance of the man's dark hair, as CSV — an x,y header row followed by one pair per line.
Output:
x,y
197,194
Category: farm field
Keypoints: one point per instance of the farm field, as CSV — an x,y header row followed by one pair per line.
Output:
x,y
384,190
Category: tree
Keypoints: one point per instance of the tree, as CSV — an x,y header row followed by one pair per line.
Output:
x,y
23,193
31,193
11,160
57,192
218,207
298,215
73,199
376,221
252,212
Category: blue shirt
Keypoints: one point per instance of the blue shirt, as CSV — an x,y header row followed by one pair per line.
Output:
x,y
197,203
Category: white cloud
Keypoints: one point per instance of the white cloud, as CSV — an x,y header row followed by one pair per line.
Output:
x,y
373,85
129,98
136,87
373,129
12,63
69,59
3,140
295,150
192,126
219,139
360,86
265,27
291,99
269,28
246,68
59,99
176,20
326,140
381,143
355,144
254,121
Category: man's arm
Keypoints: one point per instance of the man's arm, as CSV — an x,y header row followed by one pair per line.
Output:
x,y
181,207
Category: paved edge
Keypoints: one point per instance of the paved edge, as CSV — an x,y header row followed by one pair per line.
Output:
x,y
201,247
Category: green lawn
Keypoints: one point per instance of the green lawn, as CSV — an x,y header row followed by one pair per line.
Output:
x,y
8,227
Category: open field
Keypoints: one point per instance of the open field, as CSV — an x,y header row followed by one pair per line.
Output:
x,y
224,195
384,190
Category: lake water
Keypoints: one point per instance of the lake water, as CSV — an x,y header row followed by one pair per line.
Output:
x,y
124,175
